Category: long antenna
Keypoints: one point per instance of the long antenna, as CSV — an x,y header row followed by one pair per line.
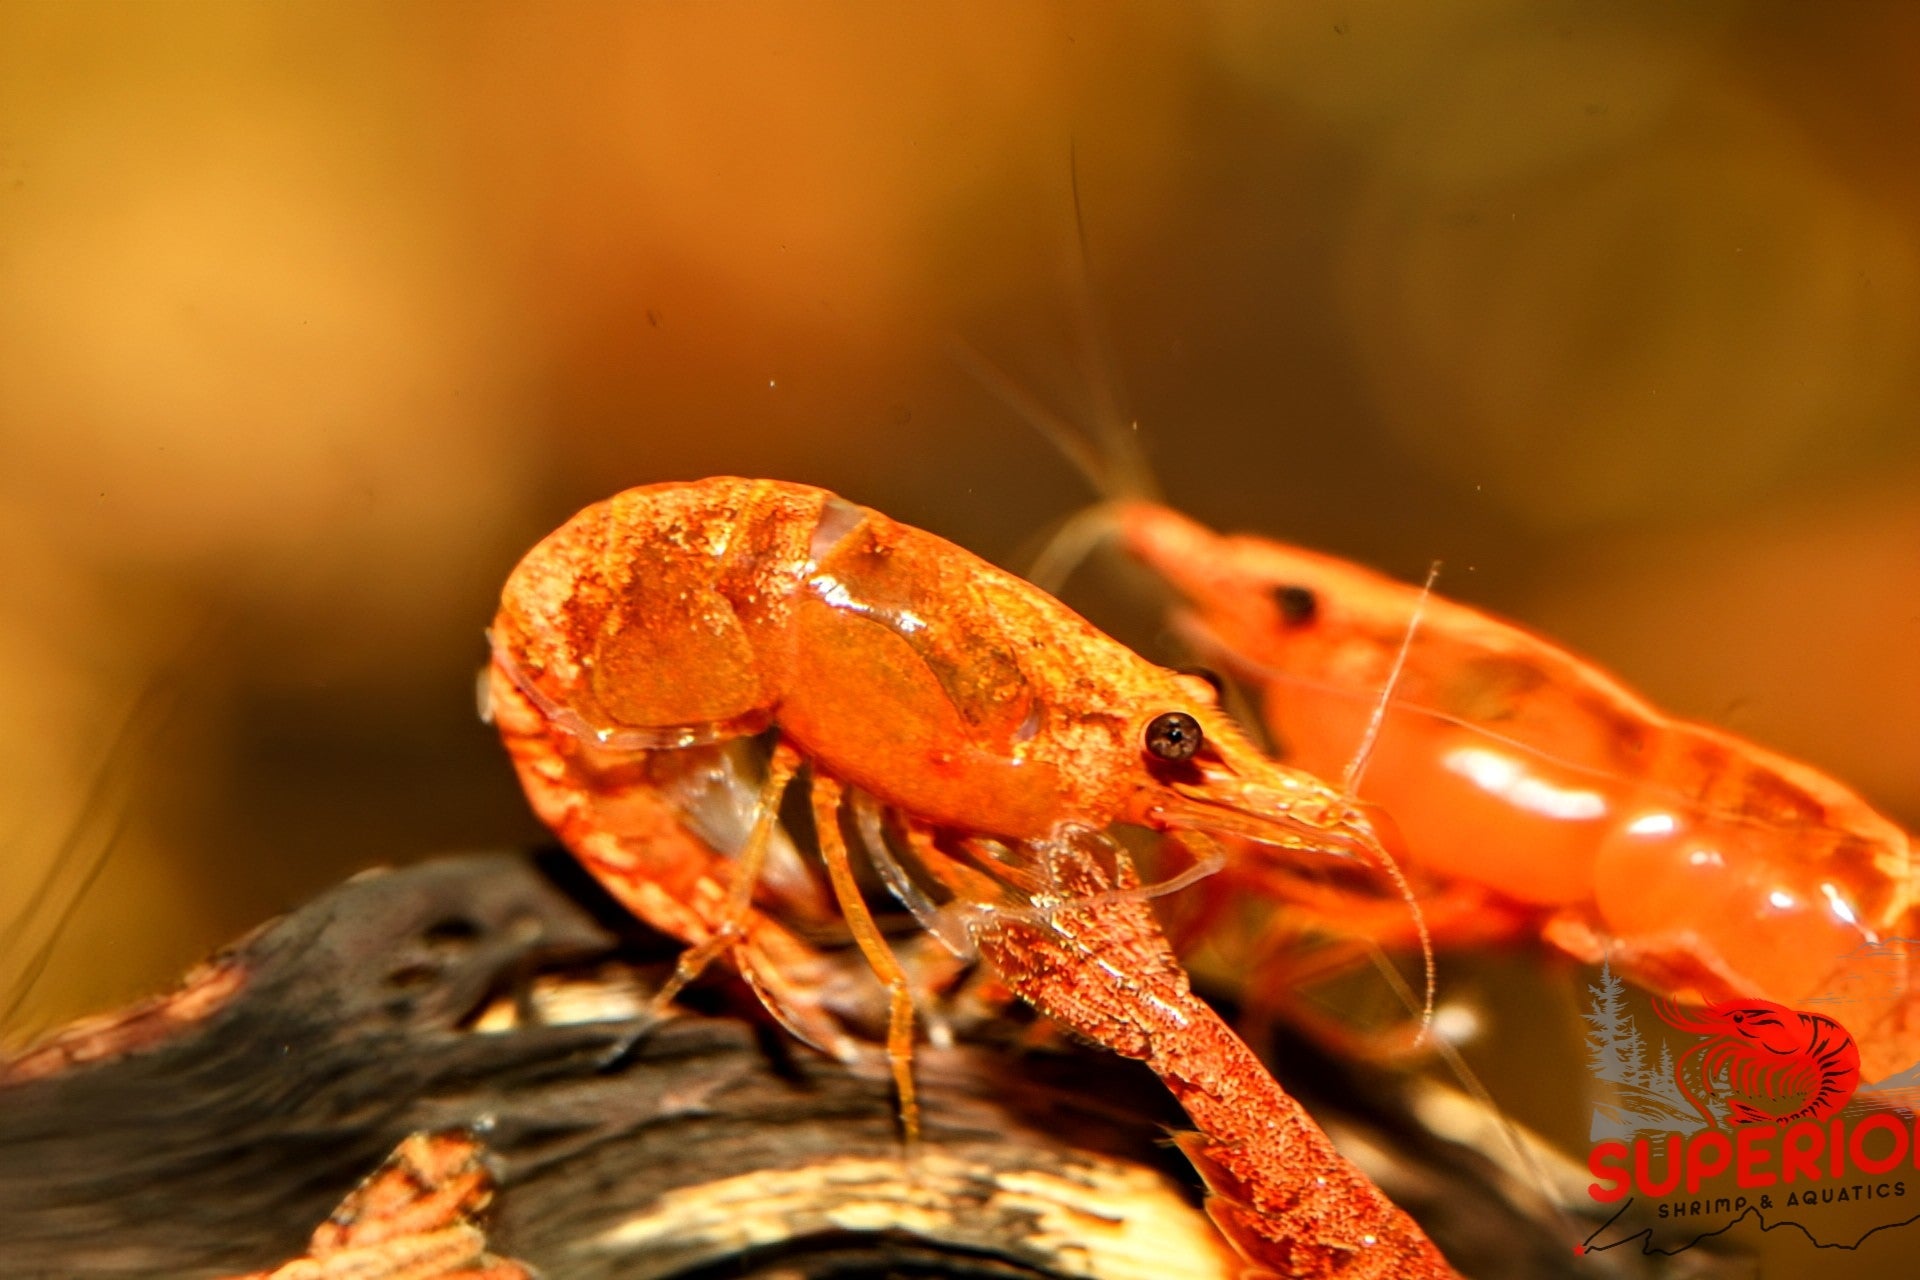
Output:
x,y
1087,456
1517,1143
1356,770
1117,433
1106,452
1357,767
36,965
100,822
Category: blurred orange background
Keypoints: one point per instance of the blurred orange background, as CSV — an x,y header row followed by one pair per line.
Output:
x,y
314,316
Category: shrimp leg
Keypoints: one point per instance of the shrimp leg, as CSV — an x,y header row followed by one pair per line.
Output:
x,y
609,812
827,794
733,926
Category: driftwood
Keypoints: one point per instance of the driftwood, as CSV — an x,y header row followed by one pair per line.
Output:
x,y
494,1001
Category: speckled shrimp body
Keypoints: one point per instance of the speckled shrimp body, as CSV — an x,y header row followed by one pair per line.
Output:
x,y
967,705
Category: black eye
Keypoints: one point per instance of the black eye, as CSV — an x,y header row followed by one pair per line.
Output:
x,y
1298,605
1173,736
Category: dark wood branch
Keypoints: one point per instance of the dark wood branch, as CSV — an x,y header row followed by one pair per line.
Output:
x,y
207,1133
221,1130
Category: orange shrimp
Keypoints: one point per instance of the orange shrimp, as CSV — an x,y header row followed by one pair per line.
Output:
x,y
1545,798
969,707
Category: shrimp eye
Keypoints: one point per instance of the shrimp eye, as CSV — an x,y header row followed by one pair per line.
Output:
x,y
1298,605
1174,735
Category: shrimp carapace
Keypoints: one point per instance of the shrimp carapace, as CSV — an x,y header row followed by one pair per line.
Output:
x,y
683,614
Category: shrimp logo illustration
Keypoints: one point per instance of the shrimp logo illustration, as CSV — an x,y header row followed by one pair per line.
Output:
x,y
1766,1063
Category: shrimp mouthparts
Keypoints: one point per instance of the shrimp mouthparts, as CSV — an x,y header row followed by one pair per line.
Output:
x,y
1200,807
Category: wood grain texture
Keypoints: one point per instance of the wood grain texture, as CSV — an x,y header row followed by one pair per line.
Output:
x,y
162,1144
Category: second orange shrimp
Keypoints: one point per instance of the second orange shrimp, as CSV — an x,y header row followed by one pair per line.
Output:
x,y
1538,795
979,717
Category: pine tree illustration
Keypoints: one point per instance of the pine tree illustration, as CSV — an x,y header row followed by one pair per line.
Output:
x,y
1635,1052
1662,1082
1612,1040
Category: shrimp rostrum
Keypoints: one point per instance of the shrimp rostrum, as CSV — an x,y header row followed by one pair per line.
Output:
x,y
967,708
